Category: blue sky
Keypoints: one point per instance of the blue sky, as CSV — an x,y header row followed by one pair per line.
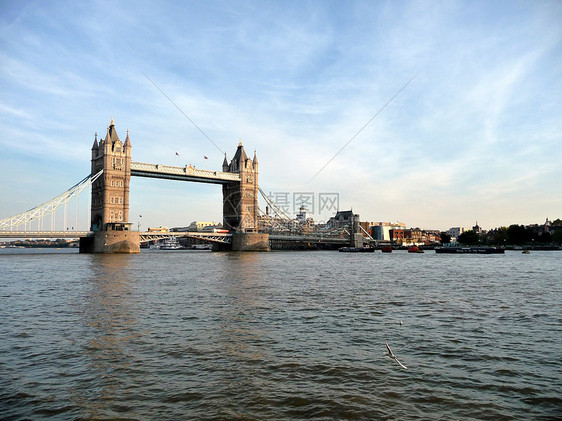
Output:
x,y
477,135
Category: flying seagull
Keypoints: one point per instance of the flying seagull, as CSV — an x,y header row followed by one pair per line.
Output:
x,y
392,356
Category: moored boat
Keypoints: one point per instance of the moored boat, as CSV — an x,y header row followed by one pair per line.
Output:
x,y
356,249
386,249
414,249
170,244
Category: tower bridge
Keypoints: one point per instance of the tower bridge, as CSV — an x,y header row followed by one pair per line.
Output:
x,y
111,172
110,195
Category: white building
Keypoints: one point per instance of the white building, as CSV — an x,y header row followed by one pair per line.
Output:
x,y
302,215
303,218
456,231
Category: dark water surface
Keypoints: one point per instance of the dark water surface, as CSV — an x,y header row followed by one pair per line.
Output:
x,y
280,336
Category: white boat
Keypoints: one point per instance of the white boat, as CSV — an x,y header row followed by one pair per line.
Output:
x,y
170,244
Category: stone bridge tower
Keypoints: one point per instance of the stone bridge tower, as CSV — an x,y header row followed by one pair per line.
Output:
x,y
240,203
240,200
110,192
110,195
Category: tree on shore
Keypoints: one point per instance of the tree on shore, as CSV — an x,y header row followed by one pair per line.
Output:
x,y
469,237
445,238
543,237
518,234
497,236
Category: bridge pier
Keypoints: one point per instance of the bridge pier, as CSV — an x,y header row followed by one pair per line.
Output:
x,y
356,237
250,241
111,242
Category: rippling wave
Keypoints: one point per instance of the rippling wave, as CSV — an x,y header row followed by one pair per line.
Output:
x,y
280,336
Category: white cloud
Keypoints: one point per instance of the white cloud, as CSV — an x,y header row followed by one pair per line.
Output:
x,y
477,131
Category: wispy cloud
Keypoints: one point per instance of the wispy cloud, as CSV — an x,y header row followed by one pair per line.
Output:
x,y
479,129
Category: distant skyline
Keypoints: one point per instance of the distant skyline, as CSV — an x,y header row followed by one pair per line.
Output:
x,y
475,136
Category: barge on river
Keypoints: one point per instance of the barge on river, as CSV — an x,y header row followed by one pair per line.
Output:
x,y
478,250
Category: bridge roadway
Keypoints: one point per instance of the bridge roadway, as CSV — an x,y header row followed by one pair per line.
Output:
x,y
310,238
45,234
213,237
144,236
187,173
219,237
226,238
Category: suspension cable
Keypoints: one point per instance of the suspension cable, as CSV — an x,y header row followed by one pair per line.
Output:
x,y
49,207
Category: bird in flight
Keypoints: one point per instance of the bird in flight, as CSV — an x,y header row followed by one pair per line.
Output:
x,y
392,356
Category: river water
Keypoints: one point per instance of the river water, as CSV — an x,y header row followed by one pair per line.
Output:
x,y
279,336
